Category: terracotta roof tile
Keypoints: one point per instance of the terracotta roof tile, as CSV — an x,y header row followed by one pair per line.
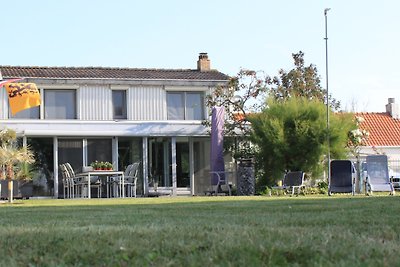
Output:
x,y
109,73
383,129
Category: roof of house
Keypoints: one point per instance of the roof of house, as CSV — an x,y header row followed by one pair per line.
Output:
x,y
109,73
384,130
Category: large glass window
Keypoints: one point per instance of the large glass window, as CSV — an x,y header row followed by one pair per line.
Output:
x,y
60,104
160,162
43,177
194,106
175,103
185,105
30,113
99,149
70,150
130,151
201,154
182,162
119,104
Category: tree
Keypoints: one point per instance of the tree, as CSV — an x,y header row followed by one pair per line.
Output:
x,y
11,156
243,94
246,93
292,135
282,128
301,81
357,138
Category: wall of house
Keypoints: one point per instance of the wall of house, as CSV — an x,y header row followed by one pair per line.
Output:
x,y
146,103
94,101
3,103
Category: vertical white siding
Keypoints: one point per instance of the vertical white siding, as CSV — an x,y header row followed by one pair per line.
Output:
x,y
95,102
147,103
3,103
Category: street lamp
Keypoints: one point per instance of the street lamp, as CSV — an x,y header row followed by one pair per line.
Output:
x,y
327,92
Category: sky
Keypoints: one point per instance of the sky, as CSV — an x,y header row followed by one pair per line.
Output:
x,y
261,35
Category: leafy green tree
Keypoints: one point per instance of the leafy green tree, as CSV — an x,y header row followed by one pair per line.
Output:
x,y
292,135
246,93
301,81
11,156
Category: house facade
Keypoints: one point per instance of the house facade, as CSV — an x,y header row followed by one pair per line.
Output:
x,y
384,138
120,115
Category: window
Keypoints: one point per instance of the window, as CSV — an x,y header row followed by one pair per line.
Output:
x,y
60,104
70,150
176,110
185,106
119,104
43,166
99,149
194,106
30,113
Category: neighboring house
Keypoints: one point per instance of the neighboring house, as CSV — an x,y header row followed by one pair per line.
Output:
x,y
384,136
384,131
121,115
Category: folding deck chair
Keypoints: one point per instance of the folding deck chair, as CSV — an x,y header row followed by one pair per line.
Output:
x,y
291,181
378,179
342,177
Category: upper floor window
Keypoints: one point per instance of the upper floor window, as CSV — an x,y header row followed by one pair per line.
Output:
x,y
185,105
30,113
119,104
59,104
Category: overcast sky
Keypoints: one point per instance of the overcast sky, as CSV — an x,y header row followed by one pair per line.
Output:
x,y
363,38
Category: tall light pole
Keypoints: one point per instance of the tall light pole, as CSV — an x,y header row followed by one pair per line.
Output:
x,y
327,92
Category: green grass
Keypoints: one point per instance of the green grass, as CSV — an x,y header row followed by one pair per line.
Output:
x,y
202,231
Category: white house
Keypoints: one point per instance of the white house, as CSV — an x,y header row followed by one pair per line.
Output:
x,y
121,115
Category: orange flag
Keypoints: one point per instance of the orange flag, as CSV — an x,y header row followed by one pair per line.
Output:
x,y
22,96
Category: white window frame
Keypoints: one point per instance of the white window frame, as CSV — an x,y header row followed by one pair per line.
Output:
x,y
124,105
45,91
185,108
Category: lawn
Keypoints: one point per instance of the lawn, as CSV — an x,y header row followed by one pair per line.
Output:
x,y
202,231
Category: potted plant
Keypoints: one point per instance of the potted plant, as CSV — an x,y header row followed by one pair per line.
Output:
x,y
101,165
108,166
96,165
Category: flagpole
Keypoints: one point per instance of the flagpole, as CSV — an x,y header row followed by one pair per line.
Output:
x,y
327,93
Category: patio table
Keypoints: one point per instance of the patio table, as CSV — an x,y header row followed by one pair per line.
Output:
x,y
104,173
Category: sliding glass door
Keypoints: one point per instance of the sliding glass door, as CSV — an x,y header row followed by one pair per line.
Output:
x,y
130,151
162,154
182,162
160,162
69,150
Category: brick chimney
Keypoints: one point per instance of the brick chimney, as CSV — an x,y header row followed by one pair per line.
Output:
x,y
392,108
203,64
